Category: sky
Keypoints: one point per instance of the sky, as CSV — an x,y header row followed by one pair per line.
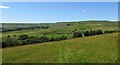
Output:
x,y
51,12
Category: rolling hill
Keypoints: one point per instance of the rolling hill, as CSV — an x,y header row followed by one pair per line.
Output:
x,y
59,27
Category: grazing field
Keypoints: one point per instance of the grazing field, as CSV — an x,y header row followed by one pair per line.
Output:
x,y
92,49
59,27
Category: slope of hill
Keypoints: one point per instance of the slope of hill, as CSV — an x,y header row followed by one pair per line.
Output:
x,y
93,49
60,27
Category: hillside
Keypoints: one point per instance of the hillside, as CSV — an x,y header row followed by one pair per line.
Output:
x,y
60,27
92,49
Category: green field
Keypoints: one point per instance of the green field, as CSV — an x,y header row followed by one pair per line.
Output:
x,y
59,33
92,49
89,49
60,27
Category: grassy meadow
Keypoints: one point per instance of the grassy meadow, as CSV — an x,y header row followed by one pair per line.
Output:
x,y
94,49
101,48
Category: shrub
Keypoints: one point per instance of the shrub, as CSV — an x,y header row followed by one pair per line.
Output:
x,y
75,29
77,34
110,31
14,35
30,41
91,32
56,38
118,31
23,37
10,42
68,25
3,45
99,32
45,27
8,36
63,37
53,38
86,33
43,39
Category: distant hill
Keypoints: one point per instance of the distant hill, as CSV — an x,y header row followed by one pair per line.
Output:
x,y
59,27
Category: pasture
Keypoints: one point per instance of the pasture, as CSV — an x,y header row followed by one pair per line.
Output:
x,y
93,49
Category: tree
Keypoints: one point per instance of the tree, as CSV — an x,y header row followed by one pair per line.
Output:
x,y
99,32
10,42
75,29
91,32
14,35
52,38
110,31
77,34
23,37
68,25
8,36
3,45
86,33
44,39
64,37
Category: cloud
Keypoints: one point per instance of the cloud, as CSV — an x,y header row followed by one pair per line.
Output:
x,y
83,10
5,7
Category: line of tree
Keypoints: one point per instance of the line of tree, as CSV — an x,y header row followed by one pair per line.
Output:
x,y
25,39
110,31
86,33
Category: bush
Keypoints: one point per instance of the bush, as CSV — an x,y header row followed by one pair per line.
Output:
x,y
91,32
110,31
77,34
14,35
43,39
45,27
24,40
98,32
75,29
86,33
23,37
8,36
58,38
68,25
30,41
63,37
3,45
10,42
52,38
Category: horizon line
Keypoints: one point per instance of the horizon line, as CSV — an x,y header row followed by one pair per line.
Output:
x,y
63,21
